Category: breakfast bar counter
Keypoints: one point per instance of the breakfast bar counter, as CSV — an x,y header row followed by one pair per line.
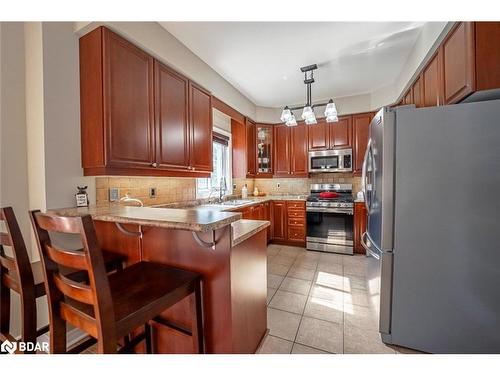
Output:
x,y
225,250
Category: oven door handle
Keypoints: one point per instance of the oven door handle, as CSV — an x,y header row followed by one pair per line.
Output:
x,y
329,210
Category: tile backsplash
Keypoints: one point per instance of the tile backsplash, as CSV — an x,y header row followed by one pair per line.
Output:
x,y
181,189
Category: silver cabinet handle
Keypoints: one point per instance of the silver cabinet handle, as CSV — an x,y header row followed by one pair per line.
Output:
x,y
154,165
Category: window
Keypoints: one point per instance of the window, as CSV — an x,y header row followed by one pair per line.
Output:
x,y
209,187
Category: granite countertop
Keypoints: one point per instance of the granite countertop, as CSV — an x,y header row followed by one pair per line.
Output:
x,y
193,220
244,229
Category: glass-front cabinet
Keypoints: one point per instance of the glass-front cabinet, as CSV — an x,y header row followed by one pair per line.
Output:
x,y
264,143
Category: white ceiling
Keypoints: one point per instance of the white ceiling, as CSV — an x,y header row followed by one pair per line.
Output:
x,y
262,59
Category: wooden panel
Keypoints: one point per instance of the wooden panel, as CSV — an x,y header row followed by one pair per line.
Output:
x,y
458,63
360,125
296,222
341,133
296,213
172,125
200,109
281,150
239,148
408,98
298,150
128,103
91,94
278,220
250,148
432,83
417,92
228,110
296,205
487,51
296,234
318,135
360,218
114,241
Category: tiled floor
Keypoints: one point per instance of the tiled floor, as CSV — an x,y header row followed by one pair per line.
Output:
x,y
320,303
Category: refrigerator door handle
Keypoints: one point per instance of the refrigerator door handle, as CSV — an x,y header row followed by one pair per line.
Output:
x,y
367,247
363,174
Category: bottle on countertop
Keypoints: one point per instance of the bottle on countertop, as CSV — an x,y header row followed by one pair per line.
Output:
x,y
244,191
256,192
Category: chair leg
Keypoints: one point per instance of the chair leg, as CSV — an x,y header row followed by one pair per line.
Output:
x,y
197,331
57,335
149,344
28,318
4,308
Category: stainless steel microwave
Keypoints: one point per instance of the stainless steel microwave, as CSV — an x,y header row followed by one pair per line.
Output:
x,y
330,161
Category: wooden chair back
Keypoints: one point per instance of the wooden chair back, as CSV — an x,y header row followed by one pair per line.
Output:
x,y
15,274
94,297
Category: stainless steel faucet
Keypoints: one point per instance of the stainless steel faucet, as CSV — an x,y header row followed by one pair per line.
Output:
x,y
222,188
128,199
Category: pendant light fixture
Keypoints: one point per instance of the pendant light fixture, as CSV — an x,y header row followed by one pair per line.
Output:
x,y
308,114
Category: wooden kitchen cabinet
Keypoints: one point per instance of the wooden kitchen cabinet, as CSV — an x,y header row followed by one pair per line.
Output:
x,y
432,83
341,133
278,221
360,219
298,151
264,150
408,97
360,129
296,222
319,136
417,92
251,156
487,55
139,117
281,151
458,63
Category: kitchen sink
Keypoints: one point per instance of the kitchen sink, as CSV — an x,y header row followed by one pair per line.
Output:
x,y
236,202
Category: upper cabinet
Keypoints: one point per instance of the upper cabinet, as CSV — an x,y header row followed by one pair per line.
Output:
x,y
264,145
139,117
290,150
281,150
360,130
467,60
319,136
250,142
333,135
457,53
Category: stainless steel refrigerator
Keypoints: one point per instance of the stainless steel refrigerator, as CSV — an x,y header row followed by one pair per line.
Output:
x,y
431,179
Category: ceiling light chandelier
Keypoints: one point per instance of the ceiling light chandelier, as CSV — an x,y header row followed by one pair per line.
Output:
x,y
308,115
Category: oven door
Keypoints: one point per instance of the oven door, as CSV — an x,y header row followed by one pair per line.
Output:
x,y
329,230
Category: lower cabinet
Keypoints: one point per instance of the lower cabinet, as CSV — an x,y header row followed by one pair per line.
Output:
x,y
278,220
261,211
360,219
288,222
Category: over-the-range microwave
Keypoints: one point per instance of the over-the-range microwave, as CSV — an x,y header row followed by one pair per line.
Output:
x,y
330,161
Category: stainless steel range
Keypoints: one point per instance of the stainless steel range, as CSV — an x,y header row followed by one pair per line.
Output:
x,y
329,211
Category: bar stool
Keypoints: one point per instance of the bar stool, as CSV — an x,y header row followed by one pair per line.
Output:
x,y
27,279
111,306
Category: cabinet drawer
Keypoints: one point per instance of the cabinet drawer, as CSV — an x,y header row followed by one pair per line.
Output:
x,y
296,205
296,233
296,213
299,222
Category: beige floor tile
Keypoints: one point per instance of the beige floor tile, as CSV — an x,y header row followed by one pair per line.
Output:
x,y
291,251
283,259
306,263
301,273
355,269
361,317
273,250
320,334
330,294
330,280
291,302
282,324
331,258
362,341
274,281
277,269
302,349
309,255
270,294
355,282
275,345
324,309
357,297
333,268
293,285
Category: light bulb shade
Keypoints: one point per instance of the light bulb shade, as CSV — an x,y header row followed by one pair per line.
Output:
x,y
307,112
286,114
311,120
331,109
291,121
332,118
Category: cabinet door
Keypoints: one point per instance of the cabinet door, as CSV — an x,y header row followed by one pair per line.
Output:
x,y
487,36
318,136
200,110
281,150
341,133
264,150
360,126
458,63
298,150
432,83
171,117
128,103
408,98
251,151
278,220
417,92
